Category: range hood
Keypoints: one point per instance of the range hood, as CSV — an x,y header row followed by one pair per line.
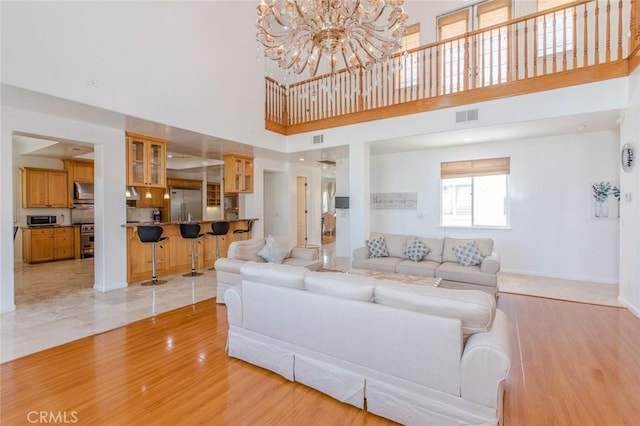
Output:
x,y
132,193
82,193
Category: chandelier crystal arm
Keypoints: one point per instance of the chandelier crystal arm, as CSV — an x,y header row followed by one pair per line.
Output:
x,y
298,34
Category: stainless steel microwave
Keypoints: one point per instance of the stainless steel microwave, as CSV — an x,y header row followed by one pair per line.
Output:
x,y
40,220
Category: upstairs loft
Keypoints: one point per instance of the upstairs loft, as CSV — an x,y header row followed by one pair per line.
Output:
x,y
578,43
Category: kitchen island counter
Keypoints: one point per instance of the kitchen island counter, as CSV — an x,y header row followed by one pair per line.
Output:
x,y
173,256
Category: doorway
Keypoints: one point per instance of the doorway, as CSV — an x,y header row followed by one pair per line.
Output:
x,y
36,281
328,211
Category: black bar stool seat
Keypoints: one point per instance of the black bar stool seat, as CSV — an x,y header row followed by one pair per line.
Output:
x,y
217,229
152,234
191,231
244,232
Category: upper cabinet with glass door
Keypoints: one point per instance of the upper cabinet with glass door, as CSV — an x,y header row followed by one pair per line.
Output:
x,y
238,173
146,161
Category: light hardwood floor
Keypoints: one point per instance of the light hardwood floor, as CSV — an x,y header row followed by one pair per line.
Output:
x,y
574,364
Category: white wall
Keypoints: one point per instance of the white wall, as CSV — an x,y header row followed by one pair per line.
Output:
x,y
630,207
276,207
175,63
552,232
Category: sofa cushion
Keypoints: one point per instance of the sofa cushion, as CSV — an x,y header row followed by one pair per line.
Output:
x,y
416,250
452,271
272,252
377,247
340,285
468,254
424,268
475,309
247,250
396,244
312,265
484,245
384,264
435,246
274,274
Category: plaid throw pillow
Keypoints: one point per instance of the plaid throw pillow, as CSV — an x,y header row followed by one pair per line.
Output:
x,y
468,254
416,250
377,247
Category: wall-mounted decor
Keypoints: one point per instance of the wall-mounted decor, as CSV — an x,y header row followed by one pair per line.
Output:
x,y
626,157
394,200
605,200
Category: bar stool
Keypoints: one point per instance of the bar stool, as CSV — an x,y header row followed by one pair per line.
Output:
x,y
217,229
152,234
243,232
191,231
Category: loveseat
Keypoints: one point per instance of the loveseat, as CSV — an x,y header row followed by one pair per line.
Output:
x,y
240,252
403,256
417,355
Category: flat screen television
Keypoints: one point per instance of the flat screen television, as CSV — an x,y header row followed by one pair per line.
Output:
x,y
342,202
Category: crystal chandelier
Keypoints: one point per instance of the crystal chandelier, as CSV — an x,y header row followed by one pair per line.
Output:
x,y
297,34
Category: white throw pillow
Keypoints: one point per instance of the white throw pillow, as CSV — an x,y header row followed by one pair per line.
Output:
x,y
416,250
272,252
377,247
248,250
468,254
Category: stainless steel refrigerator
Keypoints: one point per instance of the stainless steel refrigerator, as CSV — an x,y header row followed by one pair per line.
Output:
x,y
186,204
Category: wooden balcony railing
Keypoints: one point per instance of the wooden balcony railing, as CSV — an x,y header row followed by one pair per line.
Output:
x,y
581,42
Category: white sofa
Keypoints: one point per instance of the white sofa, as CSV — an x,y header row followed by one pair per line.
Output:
x,y
439,262
440,359
240,252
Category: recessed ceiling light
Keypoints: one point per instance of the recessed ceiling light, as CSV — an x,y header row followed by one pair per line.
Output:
x,y
301,159
467,139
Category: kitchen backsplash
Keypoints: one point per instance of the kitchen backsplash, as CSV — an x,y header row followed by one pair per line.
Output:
x,y
140,214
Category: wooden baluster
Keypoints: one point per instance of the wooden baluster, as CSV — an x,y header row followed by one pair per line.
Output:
x,y
554,41
585,46
466,65
619,51
564,40
607,41
516,75
596,35
535,46
574,37
526,49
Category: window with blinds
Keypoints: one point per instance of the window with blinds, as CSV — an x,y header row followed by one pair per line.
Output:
x,y
489,55
409,71
452,57
493,56
555,30
475,192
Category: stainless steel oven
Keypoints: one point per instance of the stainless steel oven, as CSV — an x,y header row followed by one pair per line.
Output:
x,y
86,240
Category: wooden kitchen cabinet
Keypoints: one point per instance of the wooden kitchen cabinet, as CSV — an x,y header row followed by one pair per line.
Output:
x,y
139,257
238,173
156,200
209,247
47,244
213,195
44,188
146,161
78,171
184,183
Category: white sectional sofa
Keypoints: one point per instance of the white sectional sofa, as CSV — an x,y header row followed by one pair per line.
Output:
x,y
418,355
440,261
240,252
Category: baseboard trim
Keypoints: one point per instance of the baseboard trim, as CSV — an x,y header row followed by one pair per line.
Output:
x,y
624,302
558,276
